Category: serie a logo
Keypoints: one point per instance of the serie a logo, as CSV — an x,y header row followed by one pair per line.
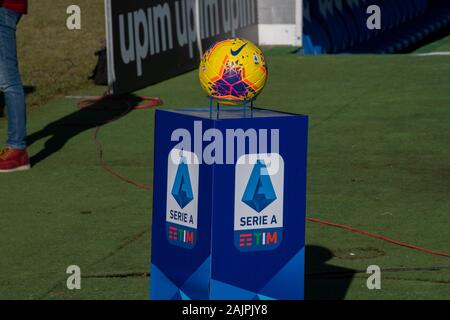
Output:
x,y
182,199
258,210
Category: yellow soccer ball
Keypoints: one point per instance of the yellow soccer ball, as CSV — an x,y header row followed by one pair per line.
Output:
x,y
233,71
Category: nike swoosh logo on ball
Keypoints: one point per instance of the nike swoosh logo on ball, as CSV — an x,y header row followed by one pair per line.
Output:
x,y
235,53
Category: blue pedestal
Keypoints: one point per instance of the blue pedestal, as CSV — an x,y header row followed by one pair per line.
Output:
x,y
229,208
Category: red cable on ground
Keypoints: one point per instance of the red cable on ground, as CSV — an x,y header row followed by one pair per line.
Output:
x,y
108,169
377,236
87,104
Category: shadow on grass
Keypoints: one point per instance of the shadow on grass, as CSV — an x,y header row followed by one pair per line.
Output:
x,y
59,132
323,280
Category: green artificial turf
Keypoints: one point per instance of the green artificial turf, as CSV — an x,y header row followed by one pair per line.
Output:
x,y
442,45
378,161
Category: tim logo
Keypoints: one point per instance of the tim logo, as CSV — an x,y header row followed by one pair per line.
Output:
x,y
255,239
258,215
182,198
181,236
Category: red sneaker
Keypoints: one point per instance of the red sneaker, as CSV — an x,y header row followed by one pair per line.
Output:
x,y
14,160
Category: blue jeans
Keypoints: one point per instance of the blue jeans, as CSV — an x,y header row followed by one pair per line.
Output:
x,y
10,82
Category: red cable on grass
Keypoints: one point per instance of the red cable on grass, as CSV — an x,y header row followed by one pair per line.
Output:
x,y
86,104
377,236
108,169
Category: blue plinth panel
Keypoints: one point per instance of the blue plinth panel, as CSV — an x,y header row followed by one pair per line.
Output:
x,y
228,205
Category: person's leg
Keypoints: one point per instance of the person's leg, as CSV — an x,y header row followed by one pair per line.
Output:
x,y
10,81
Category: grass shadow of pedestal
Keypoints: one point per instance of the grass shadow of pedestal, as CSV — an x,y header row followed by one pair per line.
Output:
x,y
324,281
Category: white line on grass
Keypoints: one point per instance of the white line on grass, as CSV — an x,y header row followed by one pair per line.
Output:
x,y
429,54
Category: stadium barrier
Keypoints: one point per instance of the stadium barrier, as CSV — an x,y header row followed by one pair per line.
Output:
x,y
340,26
280,22
149,41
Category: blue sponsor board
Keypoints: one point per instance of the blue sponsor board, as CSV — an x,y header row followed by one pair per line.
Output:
x,y
344,26
229,205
